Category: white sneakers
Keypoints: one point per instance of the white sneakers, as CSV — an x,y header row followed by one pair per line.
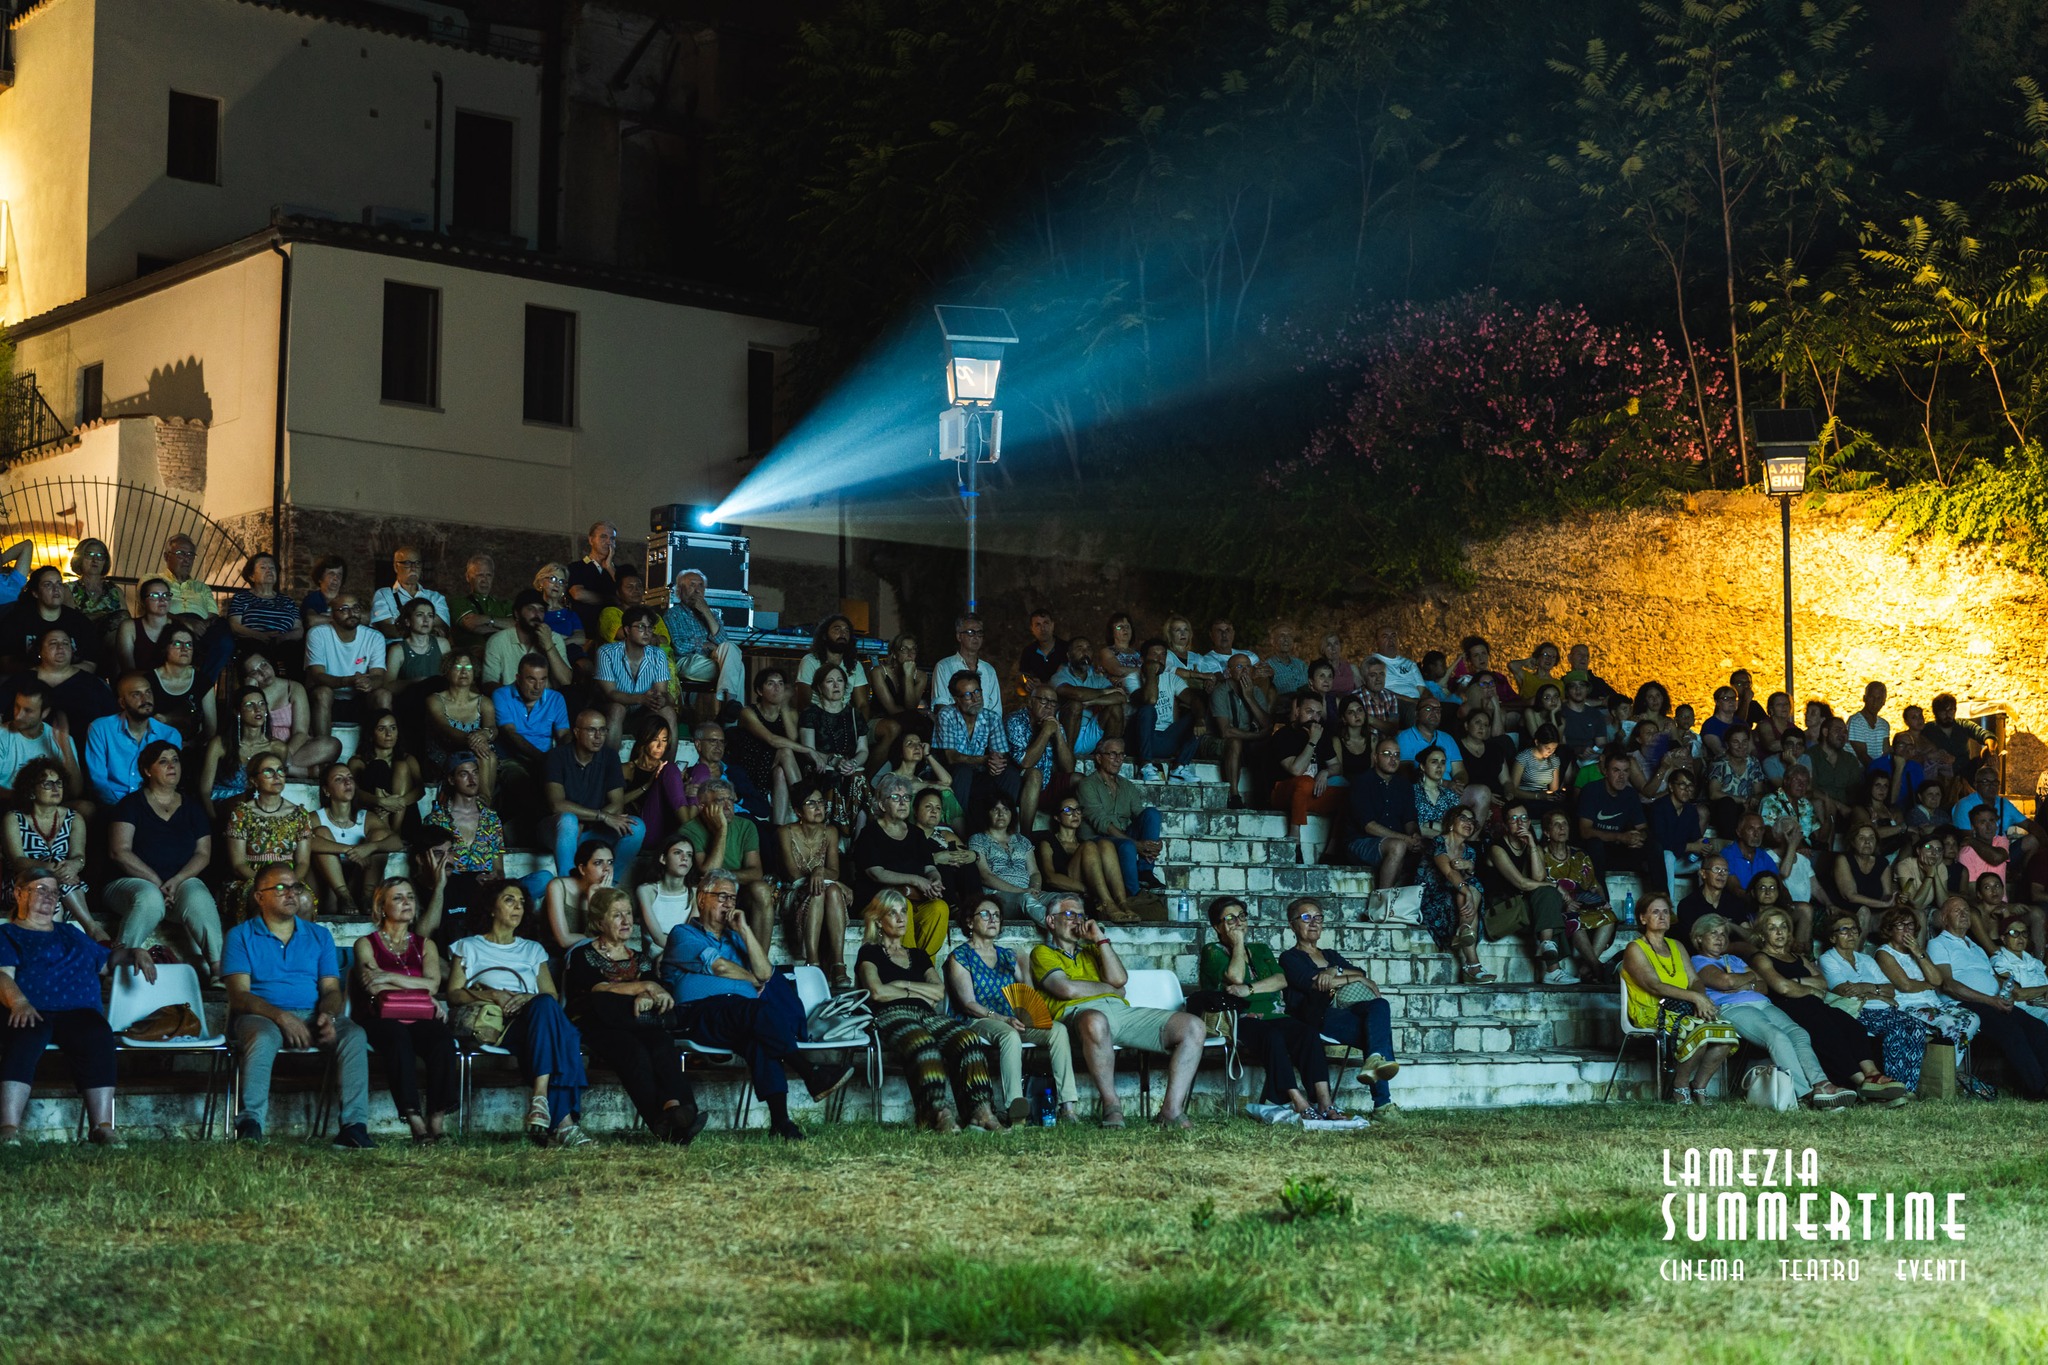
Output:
x,y
1150,773
1183,775
1560,975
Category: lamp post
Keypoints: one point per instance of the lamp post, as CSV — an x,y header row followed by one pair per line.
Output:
x,y
1785,439
971,430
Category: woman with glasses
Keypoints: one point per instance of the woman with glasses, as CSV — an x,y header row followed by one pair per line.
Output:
x,y
139,641
551,581
92,592
1068,860
2015,964
43,831
77,695
987,986
175,685
1287,1049
288,714
1852,974
160,843
266,829
1663,994
1338,1001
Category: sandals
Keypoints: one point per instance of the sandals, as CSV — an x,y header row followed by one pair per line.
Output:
x,y
1466,937
1117,914
538,1121
1472,974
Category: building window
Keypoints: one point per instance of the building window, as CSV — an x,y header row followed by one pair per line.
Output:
x,y
550,366
195,139
92,392
760,400
483,174
412,344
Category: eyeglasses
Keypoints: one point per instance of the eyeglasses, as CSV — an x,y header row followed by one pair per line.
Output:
x,y
407,563
1235,919
971,630
155,596
1308,919
1069,810
988,914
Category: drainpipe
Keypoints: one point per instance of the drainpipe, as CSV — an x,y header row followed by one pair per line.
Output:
x,y
554,37
437,153
284,342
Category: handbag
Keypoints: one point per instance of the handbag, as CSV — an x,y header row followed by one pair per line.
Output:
x,y
162,1025
845,1018
1938,1072
405,1007
483,1021
1353,993
1766,1087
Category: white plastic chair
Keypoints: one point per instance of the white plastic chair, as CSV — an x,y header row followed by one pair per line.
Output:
x,y
812,990
136,998
1156,988
1630,1031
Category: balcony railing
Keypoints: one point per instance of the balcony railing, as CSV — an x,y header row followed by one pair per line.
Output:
x,y
27,421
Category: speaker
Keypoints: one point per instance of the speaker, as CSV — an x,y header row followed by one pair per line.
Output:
x,y
723,560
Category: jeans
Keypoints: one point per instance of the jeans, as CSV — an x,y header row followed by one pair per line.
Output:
x,y
1773,1030
1373,1022
1146,827
547,1044
1154,744
258,1042
140,906
566,832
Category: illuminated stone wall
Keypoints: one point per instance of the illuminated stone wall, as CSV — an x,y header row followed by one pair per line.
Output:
x,y
1686,595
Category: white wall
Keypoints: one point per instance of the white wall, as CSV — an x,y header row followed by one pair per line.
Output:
x,y
314,113
661,400
204,348
44,136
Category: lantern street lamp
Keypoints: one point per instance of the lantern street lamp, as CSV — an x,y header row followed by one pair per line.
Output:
x,y
1785,438
971,430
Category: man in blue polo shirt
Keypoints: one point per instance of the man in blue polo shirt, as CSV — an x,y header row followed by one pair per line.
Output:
x,y
1747,856
113,744
1425,733
728,997
284,990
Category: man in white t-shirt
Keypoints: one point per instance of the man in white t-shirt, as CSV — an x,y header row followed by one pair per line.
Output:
x,y
1222,644
1869,732
28,737
967,630
344,662
1404,675
390,603
1967,977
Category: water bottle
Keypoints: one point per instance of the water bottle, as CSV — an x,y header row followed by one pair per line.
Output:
x,y
1628,908
1048,1109
2007,986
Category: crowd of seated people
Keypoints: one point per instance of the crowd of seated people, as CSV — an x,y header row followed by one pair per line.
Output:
x,y
152,741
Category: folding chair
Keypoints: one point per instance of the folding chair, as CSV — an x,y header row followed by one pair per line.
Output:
x,y
812,990
1159,989
1630,1031
136,998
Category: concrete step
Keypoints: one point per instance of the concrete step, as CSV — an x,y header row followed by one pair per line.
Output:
x,y
1223,824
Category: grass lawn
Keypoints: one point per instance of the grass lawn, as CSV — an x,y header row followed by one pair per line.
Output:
x,y
1518,1234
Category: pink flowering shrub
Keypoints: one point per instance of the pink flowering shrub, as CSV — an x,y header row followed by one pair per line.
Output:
x,y
1515,404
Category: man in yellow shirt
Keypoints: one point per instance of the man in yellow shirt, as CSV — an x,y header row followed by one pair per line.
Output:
x,y
1082,980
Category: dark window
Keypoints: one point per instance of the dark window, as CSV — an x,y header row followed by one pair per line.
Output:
x,y
146,264
412,344
760,400
550,366
195,139
483,173
92,392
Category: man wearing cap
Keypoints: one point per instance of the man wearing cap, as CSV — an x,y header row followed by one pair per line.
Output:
x,y
702,653
528,633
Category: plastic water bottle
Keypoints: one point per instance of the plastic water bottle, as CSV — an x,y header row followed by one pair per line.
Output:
x,y
2007,987
1048,1109
1628,909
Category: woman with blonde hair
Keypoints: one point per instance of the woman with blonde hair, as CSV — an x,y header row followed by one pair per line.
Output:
x,y
903,985
400,974
616,1001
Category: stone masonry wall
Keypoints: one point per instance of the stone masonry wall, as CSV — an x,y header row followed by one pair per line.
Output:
x,y
1686,595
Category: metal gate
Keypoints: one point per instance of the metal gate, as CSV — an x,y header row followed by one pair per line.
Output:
x,y
133,520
